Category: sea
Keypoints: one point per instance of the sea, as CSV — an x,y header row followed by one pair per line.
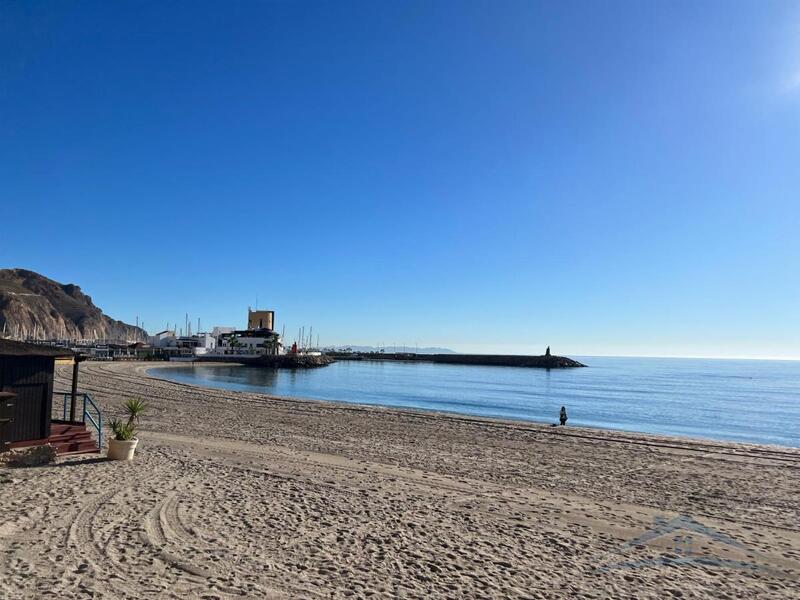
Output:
x,y
754,401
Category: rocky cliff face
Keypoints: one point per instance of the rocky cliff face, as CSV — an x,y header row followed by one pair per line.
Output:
x,y
32,305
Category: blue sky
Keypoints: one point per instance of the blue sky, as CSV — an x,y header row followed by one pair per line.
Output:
x,y
606,178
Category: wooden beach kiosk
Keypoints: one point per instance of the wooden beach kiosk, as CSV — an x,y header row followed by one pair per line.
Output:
x,y
28,414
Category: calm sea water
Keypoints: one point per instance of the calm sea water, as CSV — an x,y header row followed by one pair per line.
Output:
x,y
741,400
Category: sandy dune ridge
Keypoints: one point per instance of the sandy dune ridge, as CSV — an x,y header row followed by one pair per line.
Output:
x,y
243,495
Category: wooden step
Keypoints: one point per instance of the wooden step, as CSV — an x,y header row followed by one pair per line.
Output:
x,y
71,438
66,437
59,426
76,448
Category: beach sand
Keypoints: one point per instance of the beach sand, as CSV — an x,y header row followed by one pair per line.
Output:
x,y
240,495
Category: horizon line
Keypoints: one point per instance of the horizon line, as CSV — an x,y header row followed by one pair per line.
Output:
x,y
695,357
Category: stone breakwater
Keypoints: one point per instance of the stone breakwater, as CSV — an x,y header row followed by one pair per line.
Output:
x,y
282,361
293,361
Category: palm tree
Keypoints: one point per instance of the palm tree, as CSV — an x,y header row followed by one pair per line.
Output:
x,y
270,345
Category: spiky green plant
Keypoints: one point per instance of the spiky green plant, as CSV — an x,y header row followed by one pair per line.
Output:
x,y
122,431
133,408
126,430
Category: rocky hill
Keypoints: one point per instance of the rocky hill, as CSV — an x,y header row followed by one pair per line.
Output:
x,y
32,305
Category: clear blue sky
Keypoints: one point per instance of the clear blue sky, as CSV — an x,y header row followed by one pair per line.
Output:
x,y
602,177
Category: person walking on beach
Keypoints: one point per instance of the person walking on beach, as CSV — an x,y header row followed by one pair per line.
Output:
x,y
563,415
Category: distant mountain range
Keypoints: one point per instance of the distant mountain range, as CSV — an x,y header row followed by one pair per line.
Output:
x,y
31,305
400,348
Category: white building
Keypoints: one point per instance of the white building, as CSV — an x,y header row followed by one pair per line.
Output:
x,y
248,343
219,330
205,342
190,345
163,339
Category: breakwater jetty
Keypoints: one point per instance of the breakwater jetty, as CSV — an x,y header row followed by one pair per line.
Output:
x,y
544,361
277,361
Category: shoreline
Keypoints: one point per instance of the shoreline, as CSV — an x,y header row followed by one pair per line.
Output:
x,y
609,432
235,494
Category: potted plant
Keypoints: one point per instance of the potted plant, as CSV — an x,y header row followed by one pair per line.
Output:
x,y
123,444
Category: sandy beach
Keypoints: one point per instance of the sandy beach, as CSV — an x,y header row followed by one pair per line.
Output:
x,y
241,495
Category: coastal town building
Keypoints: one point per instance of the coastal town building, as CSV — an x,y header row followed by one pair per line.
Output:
x,y
166,343
259,339
260,319
220,330
110,350
249,342
203,342
162,339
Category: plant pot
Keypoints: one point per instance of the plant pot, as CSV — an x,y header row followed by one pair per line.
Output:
x,y
121,450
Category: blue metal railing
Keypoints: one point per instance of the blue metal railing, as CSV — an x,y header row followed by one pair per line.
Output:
x,y
89,407
96,420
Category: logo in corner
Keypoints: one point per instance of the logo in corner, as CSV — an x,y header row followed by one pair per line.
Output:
x,y
685,541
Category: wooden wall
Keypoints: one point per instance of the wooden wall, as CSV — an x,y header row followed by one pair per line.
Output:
x,y
31,379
